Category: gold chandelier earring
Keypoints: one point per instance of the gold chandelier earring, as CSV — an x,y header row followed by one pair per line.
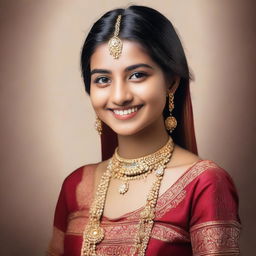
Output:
x,y
170,122
98,125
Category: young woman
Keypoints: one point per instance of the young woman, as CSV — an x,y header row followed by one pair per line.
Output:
x,y
153,195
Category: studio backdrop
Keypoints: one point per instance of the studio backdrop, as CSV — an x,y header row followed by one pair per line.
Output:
x,y
47,122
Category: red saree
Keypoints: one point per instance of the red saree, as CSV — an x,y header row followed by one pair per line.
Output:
x,y
197,215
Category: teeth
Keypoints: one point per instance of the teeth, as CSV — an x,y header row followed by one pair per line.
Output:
x,y
126,112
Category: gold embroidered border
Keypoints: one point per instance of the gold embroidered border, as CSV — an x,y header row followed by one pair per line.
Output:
x,y
169,233
116,233
125,230
114,250
215,238
119,239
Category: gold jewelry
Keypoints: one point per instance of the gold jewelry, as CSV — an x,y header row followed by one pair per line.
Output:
x,y
147,215
98,125
115,44
94,233
139,168
171,122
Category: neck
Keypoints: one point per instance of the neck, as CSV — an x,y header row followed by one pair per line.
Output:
x,y
143,143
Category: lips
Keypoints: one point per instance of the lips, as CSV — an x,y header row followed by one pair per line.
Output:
x,y
126,113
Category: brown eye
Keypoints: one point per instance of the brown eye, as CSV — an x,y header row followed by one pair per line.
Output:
x,y
102,80
138,75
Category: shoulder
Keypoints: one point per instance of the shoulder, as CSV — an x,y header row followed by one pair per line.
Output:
x,y
207,172
207,175
182,157
196,168
77,175
213,195
211,183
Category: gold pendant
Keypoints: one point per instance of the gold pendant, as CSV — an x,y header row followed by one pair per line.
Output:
x,y
123,188
115,47
94,234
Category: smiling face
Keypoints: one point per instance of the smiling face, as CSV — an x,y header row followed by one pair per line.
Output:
x,y
129,93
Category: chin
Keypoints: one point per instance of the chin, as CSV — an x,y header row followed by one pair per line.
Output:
x,y
126,132
130,130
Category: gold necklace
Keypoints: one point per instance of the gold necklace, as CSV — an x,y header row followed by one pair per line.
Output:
x,y
94,233
138,168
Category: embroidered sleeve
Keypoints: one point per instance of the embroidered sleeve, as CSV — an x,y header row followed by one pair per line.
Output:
x,y
215,224
215,238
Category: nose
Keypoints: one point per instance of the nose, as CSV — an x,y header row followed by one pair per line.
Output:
x,y
121,94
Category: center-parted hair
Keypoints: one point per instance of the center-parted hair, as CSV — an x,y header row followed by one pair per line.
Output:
x,y
158,37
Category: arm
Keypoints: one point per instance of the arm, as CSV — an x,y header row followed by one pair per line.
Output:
x,y
215,225
56,246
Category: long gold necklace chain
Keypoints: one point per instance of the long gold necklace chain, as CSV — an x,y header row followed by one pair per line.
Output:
x,y
147,215
94,233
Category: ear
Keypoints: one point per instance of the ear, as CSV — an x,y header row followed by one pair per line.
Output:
x,y
174,84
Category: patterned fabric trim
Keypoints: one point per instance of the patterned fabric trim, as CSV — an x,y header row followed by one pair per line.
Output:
x,y
114,250
119,238
169,233
125,230
215,238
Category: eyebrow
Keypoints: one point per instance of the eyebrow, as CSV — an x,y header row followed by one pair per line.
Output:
x,y
100,71
132,67
129,68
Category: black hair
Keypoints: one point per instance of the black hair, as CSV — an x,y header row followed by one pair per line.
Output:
x,y
157,35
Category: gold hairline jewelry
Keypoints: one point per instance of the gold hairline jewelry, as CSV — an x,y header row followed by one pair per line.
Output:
x,y
139,168
94,233
98,125
171,122
115,44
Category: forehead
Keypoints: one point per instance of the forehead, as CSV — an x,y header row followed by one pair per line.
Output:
x,y
132,53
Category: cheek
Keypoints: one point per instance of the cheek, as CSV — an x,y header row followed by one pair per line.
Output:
x,y
159,102
98,97
156,97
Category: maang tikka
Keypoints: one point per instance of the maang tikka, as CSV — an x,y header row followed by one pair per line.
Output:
x,y
115,44
171,122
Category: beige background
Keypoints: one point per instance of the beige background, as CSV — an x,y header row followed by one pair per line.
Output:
x,y
47,121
